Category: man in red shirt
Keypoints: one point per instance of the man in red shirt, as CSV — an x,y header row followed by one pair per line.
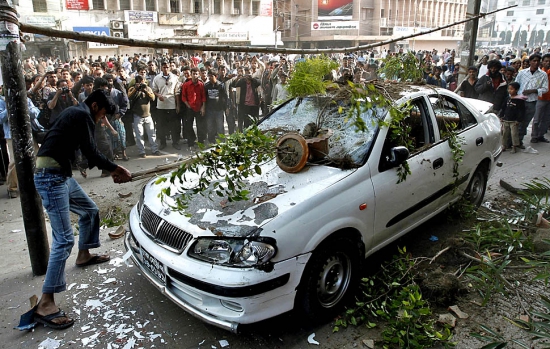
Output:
x,y
194,97
541,120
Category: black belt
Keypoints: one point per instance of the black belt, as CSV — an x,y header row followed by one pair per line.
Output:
x,y
49,170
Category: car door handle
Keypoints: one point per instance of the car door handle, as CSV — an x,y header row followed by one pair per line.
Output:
x,y
479,141
438,163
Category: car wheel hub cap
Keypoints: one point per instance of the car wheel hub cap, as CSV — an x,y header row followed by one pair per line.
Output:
x,y
333,281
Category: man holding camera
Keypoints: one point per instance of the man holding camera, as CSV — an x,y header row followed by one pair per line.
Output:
x,y
141,96
60,100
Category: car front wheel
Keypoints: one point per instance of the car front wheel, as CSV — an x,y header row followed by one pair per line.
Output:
x,y
330,279
477,186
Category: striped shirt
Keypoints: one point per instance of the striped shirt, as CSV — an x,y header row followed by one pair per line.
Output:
x,y
530,81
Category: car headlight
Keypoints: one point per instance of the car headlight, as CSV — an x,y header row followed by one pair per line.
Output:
x,y
141,199
234,252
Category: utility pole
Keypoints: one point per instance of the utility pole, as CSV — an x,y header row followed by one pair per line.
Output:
x,y
468,45
18,115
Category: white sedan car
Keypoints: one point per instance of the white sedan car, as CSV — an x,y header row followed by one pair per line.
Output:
x,y
300,240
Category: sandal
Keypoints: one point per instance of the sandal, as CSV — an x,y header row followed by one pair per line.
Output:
x,y
47,320
96,259
125,158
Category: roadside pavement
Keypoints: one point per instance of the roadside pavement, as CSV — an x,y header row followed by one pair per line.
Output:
x,y
114,305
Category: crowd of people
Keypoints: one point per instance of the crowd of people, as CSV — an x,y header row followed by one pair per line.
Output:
x,y
190,99
518,88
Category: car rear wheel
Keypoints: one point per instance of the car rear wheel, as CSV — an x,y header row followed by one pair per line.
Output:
x,y
330,279
477,186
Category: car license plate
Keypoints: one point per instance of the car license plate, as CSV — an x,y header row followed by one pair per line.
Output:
x,y
154,266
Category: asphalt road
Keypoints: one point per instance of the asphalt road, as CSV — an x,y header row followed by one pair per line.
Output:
x,y
116,307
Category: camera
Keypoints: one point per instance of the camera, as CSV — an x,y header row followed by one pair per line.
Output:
x,y
142,87
64,90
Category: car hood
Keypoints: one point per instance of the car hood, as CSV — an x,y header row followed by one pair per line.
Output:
x,y
271,194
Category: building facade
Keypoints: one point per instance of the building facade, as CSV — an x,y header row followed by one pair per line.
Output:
x,y
527,24
342,23
241,22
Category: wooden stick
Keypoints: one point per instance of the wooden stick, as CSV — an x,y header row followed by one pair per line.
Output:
x,y
159,169
440,253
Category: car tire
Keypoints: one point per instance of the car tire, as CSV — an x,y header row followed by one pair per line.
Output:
x,y
477,186
330,279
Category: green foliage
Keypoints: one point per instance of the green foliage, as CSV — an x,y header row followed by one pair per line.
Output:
x,y
114,217
455,142
536,198
308,77
223,169
368,97
496,340
402,67
392,296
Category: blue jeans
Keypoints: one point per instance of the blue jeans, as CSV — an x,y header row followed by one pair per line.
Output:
x,y
60,196
214,124
146,124
530,108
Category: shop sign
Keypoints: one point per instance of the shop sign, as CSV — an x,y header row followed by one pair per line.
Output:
x,y
340,25
77,5
41,21
228,36
141,16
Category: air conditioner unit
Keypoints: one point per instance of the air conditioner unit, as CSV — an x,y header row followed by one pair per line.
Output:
x,y
117,24
117,34
383,22
236,11
28,37
287,24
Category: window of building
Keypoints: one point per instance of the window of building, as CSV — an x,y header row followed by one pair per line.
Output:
x,y
39,6
237,7
509,13
150,5
526,2
363,14
98,4
382,13
255,8
196,7
124,5
217,7
540,11
541,2
175,6
511,3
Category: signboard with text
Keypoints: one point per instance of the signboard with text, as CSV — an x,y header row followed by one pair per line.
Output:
x,y
93,30
343,25
41,21
77,5
266,8
226,36
100,45
141,16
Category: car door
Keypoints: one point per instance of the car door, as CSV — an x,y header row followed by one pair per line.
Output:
x,y
402,206
454,116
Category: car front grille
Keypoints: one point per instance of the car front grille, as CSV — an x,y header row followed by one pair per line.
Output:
x,y
163,233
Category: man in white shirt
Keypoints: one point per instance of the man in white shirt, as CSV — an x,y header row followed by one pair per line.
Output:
x,y
533,83
168,123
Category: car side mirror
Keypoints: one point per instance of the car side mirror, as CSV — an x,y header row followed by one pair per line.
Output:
x,y
398,156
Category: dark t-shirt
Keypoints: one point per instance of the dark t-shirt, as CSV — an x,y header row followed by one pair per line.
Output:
x,y
63,102
74,129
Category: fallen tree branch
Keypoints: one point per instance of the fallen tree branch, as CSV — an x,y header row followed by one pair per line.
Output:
x,y
440,253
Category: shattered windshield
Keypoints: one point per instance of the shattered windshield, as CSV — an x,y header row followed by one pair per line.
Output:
x,y
346,142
